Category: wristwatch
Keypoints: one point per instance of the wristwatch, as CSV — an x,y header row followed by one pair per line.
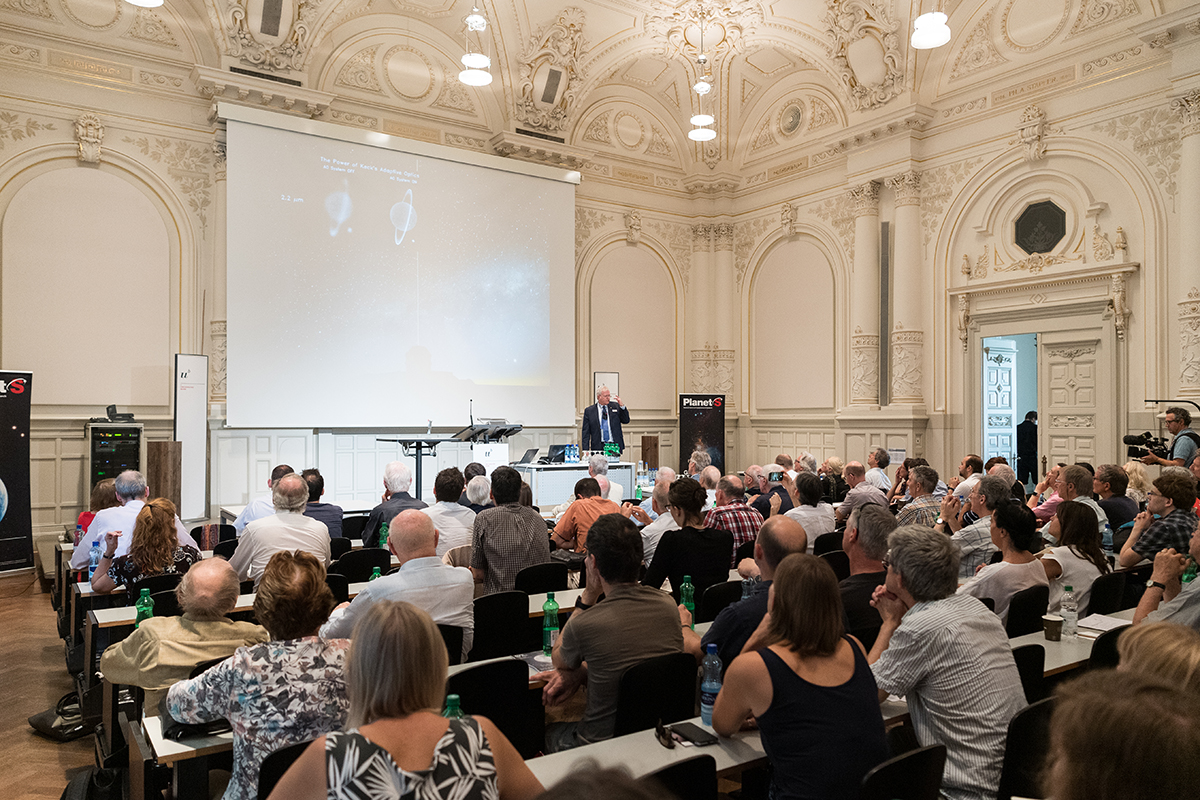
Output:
x,y
1153,584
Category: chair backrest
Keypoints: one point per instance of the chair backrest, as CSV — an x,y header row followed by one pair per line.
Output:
x,y
452,635
1104,649
338,547
1135,584
499,690
1026,609
542,578
353,526
827,542
228,533
155,583
916,775
693,778
745,550
867,635
840,561
1108,594
660,688
224,549
501,626
357,564
458,556
274,765
1031,666
717,597
997,557
166,604
989,602
339,585
1025,751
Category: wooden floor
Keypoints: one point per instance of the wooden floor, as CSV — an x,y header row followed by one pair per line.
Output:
x,y
33,675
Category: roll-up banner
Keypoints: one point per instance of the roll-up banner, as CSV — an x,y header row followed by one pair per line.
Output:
x,y
16,521
702,427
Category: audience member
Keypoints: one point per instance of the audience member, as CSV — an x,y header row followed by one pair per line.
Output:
x,y
1044,498
154,550
397,478
750,477
924,508
808,687
261,507
395,679
604,637
597,468
653,529
1170,499
1003,470
258,688
805,462
877,461
697,461
865,541
288,529
975,540
1139,484
104,495
454,522
164,650
664,474
693,550
526,498
948,655
899,488
479,494
471,471
571,531
1014,531
1110,485
732,514
1075,486
132,494
1077,560
787,462
1163,650
1182,602
833,486
770,483
808,508
970,471
860,493
328,513
507,538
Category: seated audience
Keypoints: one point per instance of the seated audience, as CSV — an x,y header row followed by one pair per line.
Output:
x,y
572,529
1139,484
1075,486
526,498
1044,498
508,537
1116,735
1166,598
1110,485
949,656
805,462
616,624
860,492
750,476
132,494
653,529
970,472
732,514
899,490
832,483
1163,650
779,538
259,689
104,495
598,468
865,542
808,687
709,477
770,483
808,508
924,507
454,522
1014,531
1005,471
1077,560
261,507
697,461
154,550
1167,522
164,650
287,529
693,550
975,540
479,494
397,478
664,474
470,471
443,592
328,513
398,744
877,461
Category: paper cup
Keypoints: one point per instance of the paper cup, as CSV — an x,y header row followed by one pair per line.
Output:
x,y
1053,625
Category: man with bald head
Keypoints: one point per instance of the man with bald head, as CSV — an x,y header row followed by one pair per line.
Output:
x,y
287,529
861,491
446,593
165,650
778,538
732,514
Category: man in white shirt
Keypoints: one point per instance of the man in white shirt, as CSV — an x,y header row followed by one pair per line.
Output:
x,y
132,493
260,507
597,467
877,461
652,530
286,529
455,523
970,471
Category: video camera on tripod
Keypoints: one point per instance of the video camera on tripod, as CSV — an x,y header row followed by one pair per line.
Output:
x,y
1143,444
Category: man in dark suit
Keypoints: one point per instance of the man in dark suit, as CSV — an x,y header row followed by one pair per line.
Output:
x,y
1027,447
602,421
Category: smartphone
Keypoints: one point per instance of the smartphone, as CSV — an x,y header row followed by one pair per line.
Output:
x,y
774,477
693,733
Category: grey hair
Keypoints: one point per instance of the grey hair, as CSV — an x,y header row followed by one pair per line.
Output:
x,y
994,490
1006,472
598,464
926,560
479,489
130,485
290,493
397,477
882,458
601,388
754,472
808,461
927,477
874,524
662,491
701,459
667,474
709,477
216,597
1174,469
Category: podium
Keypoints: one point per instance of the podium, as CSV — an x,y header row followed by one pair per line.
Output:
x,y
425,444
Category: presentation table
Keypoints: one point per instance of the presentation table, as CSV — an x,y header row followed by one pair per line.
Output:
x,y
553,484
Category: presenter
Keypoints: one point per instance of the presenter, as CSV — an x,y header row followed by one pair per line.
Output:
x,y
602,421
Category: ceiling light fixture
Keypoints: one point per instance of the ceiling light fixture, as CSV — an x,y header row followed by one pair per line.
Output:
x,y
475,60
701,87
145,3
930,30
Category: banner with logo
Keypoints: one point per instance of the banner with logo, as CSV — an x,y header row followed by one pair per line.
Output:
x,y
702,427
16,522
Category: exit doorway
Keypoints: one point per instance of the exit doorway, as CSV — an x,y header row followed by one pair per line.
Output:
x,y
1009,393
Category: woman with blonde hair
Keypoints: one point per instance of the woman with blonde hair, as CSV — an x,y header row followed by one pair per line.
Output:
x,y
153,550
1164,650
398,745
1139,484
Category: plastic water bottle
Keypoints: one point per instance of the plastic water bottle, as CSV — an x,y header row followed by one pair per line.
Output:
x,y
549,623
452,707
687,596
375,574
710,684
144,606
93,559
78,533
1069,610
747,587
383,535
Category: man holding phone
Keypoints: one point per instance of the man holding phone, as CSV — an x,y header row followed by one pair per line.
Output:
x,y
770,482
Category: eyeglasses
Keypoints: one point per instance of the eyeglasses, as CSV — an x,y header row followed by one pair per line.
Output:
x,y
664,736
887,562
1153,493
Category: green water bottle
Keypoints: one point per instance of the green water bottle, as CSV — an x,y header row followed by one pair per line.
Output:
x,y
383,535
1189,574
144,606
687,594
375,574
549,623
452,708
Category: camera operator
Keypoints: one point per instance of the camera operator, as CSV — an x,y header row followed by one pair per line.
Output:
x,y
1183,446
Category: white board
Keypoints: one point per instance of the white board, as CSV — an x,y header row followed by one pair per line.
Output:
x,y
191,428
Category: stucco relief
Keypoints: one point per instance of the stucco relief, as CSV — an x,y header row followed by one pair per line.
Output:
x,y
633,226
14,130
1094,13
587,222
938,185
559,47
712,369
978,51
32,8
864,368
907,354
849,21
359,72
838,213
746,237
678,238
149,27
89,132
1189,341
1154,137
188,165
216,361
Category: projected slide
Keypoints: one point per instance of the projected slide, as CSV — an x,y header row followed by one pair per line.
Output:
x,y
374,288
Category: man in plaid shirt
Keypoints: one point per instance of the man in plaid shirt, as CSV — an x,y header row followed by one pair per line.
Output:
x,y
1171,501
732,514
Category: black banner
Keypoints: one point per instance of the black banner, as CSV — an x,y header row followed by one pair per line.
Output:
x,y
702,427
16,521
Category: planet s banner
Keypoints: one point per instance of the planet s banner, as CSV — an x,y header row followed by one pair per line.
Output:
x,y
16,522
3,500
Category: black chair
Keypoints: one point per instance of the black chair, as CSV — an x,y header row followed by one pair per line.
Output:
x,y
542,578
357,564
840,561
745,550
338,547
1025,751
225,548
827,542
915,775
166,604
1108,594
1104,649
1026,609
997,557
452,635
1135,584
246,587
500,691
353,526
227,533
989,602
867,636
661,688
716,598
274,765
1031,666
501,626
694,778
155,583
339,585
